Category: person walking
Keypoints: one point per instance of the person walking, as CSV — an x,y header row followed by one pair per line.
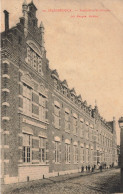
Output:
x,y
86,168
89,168
82,169
92,168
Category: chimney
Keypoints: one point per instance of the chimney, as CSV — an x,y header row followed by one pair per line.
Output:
x,y
6,20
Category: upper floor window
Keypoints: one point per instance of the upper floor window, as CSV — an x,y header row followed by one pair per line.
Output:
x,y
34,103
34,59
65,92
81,129
67,121
72,97
55,83
27,95
75,127
57,116
42,108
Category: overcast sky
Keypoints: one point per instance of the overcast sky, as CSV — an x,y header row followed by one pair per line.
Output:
x,y
86,51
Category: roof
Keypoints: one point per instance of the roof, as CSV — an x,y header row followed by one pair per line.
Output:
x,y
32,4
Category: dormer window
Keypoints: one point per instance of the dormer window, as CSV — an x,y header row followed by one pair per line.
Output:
x,y
65,88
72,97
55,83
65,91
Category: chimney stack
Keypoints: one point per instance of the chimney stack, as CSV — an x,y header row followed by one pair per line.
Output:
x,y
6,20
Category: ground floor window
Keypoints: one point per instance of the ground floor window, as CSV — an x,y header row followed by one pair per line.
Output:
x,y
57,152
75,149
42,150
67,153
26,148
82,154
87,155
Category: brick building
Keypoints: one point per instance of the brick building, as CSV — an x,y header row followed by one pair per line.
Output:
x,y
46,128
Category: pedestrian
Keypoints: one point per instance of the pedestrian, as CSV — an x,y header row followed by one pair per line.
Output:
x,y
100,168
82,169
92,169
86,168
89,168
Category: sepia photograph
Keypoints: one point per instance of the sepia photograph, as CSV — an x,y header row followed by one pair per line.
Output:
x,y
61,97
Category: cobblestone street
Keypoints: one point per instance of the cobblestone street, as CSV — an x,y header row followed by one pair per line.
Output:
x,y
105,182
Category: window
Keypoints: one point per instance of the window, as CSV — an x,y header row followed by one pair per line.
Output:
x,y
42,108
55,83
26,148
90,135
65,91
42,150
75,129
98,156
57,117
26,99
72,97
82,154
67,121
87,134
67,153
57,152
91,155
87,155
34,59
75,149
81,129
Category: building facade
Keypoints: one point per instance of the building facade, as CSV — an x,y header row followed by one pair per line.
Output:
x,y
47,129
121,153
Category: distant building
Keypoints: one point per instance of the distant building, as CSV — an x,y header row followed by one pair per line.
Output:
x,y
121,153
46,128
118,154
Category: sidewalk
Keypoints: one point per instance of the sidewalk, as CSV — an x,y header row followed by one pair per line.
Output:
x,y
42,182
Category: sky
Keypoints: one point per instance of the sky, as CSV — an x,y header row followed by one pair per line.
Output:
x,y
85,46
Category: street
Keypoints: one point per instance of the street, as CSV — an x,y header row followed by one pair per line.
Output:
x,y
102,182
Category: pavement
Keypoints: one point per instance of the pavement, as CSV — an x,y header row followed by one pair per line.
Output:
x,y
7,189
